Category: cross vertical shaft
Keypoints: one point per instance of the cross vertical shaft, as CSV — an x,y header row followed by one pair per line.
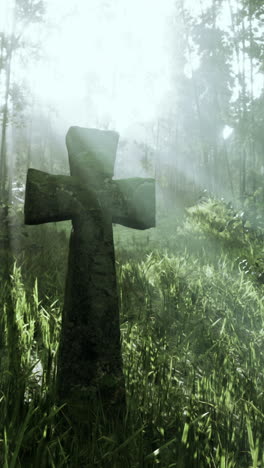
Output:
x,y
90,359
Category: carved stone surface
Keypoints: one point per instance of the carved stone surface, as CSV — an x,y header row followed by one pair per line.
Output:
x,y
89,360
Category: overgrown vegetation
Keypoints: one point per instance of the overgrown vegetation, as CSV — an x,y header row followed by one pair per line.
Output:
x,y
192,322
191,292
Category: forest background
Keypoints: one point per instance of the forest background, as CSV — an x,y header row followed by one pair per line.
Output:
x,y
191,290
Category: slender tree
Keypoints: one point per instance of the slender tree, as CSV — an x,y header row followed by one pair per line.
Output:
x,y
24,13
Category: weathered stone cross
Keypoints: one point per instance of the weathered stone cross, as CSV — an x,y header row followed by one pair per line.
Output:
x,y
90,353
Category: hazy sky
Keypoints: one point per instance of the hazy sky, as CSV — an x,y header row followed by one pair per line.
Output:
x,y
104,62
107,62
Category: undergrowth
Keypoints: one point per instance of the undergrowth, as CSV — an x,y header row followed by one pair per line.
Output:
x,y
192,326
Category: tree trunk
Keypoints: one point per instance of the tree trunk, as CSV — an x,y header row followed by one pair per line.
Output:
x,y
3,158
252,143
4,189
244,118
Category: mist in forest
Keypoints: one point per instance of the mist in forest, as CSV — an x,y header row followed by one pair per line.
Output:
x,y
131,233
178,80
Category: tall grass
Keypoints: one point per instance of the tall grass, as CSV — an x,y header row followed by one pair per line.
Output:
x,y
192,327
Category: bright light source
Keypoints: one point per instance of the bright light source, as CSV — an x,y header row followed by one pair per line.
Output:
x,y
227,131
108,56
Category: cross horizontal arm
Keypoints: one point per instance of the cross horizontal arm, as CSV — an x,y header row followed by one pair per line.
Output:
x,y
133,202
52,198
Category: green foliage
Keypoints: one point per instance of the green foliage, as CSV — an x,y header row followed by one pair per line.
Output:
x,y
218,223
192,324
215,226
41,251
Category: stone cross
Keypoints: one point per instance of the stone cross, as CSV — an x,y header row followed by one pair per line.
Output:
x,y
89,358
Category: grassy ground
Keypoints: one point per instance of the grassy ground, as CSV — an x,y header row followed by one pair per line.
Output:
x,y
192,324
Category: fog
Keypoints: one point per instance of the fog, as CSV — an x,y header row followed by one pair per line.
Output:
x,y
173,78
131,310
101,66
